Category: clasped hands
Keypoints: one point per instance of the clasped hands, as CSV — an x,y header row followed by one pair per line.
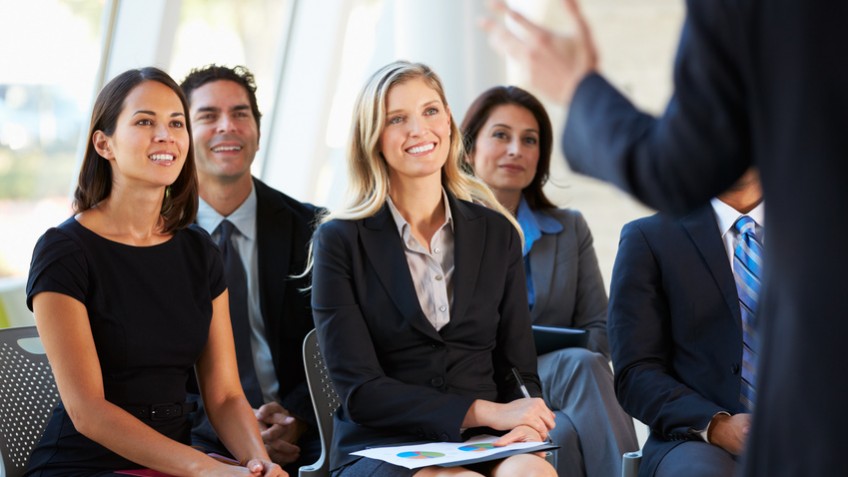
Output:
x,y
254,467
279,430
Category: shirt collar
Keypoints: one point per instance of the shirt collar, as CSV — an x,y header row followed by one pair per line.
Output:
x,y
727,215
402,224
534,223
244,217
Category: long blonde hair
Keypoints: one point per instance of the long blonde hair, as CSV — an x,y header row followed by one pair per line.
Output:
x,y
368,172
368,179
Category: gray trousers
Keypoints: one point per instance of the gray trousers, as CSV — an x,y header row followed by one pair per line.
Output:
x,y
591,428
697,459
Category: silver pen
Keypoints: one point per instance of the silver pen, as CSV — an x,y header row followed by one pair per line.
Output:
x,y
520,382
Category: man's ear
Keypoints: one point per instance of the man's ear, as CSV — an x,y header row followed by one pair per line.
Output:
x,y
101,144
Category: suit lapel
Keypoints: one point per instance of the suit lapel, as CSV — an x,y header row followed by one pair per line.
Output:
x,y
542,259
703,230
385,252
274,257
469,243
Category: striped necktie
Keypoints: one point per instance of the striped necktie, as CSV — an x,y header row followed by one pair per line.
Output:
x,y
747,269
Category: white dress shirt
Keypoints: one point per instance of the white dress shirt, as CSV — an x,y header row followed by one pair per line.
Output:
x,y
244,220
432,271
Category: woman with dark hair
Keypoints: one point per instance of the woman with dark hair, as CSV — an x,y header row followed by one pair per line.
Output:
x,y
508,139
418,292
128,297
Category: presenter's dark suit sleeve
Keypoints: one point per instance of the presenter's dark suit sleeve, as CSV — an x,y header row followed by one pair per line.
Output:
x,y
697,148
640,329
370,397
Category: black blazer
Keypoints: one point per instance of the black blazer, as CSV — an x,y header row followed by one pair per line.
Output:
x,y
399,379
756,83
283,229
675,328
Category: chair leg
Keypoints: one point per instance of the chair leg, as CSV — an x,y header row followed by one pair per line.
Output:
x,y
630,463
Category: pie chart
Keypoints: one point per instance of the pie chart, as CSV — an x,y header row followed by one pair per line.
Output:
x,y
420,455
477,447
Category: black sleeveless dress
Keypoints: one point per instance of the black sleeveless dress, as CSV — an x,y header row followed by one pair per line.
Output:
x,y
149,309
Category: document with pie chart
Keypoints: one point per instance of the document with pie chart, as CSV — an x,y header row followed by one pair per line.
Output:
x,y
451,454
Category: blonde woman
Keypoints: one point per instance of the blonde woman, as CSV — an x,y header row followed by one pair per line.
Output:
x,y
418,292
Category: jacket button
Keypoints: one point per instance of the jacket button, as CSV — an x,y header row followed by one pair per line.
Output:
x,y
734,368
437,382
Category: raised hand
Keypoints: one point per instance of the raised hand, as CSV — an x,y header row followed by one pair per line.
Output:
x,y
555,63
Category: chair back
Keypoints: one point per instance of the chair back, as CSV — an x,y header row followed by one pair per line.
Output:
x,y
28,395
324,400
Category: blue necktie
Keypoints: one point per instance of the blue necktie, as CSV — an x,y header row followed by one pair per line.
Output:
x,y
237,286
747,268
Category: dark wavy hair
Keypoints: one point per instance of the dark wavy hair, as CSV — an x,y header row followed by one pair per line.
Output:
x,y
179,206
477,115
198,77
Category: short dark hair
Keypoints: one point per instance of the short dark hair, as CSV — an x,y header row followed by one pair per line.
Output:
x,y
198,77
477,115
179,206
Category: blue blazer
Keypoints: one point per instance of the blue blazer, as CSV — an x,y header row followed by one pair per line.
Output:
x,y
399,379
675,328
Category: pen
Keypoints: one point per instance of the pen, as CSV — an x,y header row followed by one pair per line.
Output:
x,y
520,382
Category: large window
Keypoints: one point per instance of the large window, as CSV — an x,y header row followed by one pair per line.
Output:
x,y
244,32
50,53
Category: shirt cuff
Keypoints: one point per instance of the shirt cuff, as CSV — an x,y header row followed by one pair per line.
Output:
x,y
706,432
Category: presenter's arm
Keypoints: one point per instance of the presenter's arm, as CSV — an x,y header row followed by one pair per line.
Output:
x,y
699,146
63,326
642,345
227,408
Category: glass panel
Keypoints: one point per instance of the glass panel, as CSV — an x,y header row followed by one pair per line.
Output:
x,y
247,32
50,53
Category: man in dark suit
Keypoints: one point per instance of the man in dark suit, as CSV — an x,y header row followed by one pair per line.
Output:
x,y
676,333
756,83
271,236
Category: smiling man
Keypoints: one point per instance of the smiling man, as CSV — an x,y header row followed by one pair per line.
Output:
x,y
263,235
